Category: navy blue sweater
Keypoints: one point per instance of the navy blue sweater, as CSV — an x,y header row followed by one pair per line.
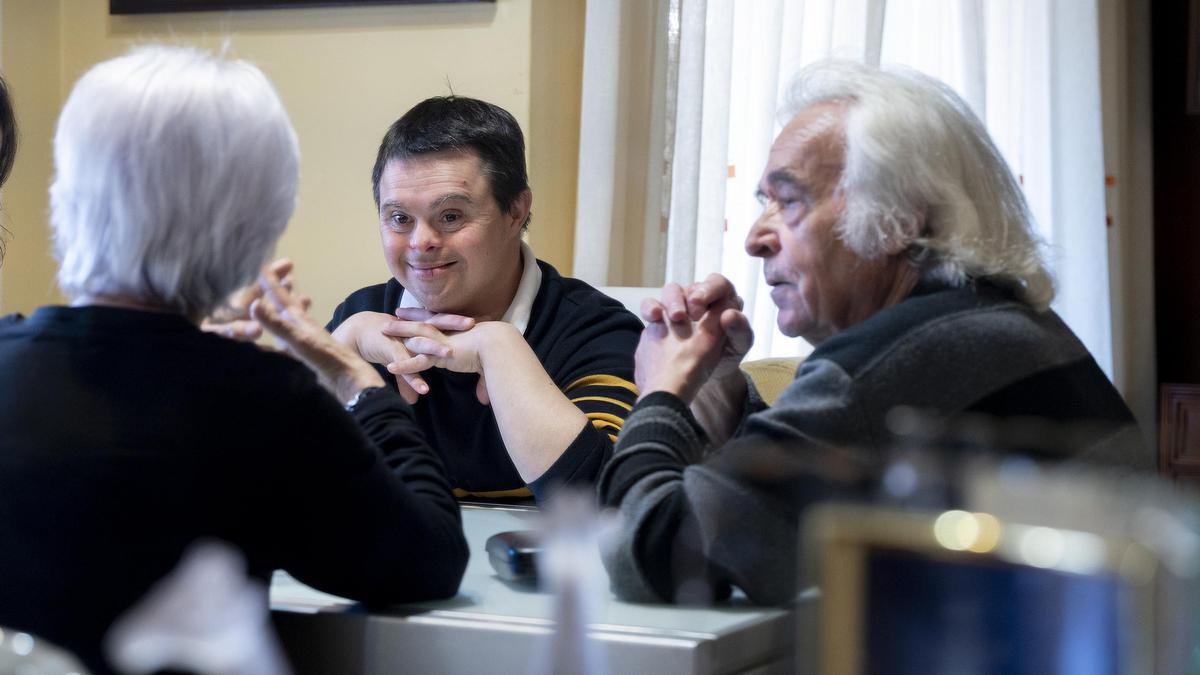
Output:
x,y
585,341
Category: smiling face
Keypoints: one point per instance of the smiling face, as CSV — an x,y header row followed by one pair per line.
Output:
x,y
445,238
820,286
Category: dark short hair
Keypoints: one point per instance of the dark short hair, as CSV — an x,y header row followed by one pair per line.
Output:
x,y
460,123
8,145
8,133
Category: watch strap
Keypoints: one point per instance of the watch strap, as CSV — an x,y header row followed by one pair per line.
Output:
x,y
362,395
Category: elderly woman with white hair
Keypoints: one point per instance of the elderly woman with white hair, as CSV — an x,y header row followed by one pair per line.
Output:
x,y
896,240
126,432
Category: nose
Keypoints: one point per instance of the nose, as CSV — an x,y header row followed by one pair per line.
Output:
x,y
423,236
762,241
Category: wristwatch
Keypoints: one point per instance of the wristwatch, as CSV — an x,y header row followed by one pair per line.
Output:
x,y
362,395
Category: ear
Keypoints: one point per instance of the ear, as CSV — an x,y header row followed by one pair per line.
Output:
x,y
913,230
518,211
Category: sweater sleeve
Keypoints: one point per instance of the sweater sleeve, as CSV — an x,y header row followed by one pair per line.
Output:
x,y
606,401
594,369
387,528
696,521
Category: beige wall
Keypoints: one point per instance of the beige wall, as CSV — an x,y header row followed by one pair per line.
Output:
x,y
30,59
344,75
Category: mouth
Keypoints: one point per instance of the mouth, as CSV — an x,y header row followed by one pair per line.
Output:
x,y
427,270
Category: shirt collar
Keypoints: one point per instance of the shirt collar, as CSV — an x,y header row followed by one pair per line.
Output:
x,y
521,308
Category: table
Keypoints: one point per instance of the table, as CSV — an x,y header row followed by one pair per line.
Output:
x,y
496,627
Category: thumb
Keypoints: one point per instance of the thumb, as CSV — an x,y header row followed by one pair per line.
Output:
x,y
737,330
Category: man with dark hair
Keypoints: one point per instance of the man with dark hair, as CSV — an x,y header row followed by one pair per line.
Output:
x,y
520,377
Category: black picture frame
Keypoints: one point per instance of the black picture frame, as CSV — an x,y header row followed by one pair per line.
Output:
x,y
166,6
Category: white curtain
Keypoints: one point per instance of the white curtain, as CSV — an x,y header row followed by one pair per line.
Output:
x,y
1029,68
626,113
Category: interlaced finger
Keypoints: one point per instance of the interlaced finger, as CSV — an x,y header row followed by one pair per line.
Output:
x,y
674,302
431,347
652,310
411,329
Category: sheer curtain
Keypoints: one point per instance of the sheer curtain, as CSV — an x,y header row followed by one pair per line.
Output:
x,y
1029,68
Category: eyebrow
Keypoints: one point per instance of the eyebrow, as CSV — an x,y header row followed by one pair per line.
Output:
x,y
783,177
452,197
437,203
779,178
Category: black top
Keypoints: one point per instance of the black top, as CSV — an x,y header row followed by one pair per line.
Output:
x,y
125,435
584,339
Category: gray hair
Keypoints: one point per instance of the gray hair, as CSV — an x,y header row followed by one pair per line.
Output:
x,y
175,174
923,175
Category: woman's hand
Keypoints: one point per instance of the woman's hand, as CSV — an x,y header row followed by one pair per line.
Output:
x,y
233,320
284,314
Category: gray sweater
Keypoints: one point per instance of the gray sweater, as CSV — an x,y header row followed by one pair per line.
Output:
x,y
698,519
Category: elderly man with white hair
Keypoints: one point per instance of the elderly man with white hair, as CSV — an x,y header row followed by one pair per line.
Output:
x,y
895,240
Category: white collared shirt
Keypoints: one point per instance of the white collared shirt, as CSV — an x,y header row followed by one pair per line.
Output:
x,y
521,308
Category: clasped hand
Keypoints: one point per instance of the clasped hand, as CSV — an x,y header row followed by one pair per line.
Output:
x,y
692,335
415,340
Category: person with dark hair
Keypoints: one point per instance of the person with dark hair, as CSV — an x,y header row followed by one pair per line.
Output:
x,y
8,133
8,153
520,377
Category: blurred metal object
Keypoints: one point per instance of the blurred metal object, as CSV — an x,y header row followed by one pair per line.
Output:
x,y
25,654
1035,569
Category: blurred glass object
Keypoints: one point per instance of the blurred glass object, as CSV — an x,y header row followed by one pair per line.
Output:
x,y
570,568
206,617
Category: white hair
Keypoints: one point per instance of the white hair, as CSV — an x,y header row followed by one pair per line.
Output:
x,y
921,174
175,174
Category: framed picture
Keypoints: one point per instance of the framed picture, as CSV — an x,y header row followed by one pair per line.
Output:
x,y
159,6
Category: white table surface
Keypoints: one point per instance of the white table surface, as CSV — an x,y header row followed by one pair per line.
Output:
x,y
505,624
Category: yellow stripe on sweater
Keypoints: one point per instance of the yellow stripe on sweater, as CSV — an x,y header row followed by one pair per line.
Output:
x,y
601,424
603,399
605,417
459,493
602,381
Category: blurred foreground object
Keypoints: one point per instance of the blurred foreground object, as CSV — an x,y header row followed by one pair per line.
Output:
x,y
206,617
24,654
1060,570
570,568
